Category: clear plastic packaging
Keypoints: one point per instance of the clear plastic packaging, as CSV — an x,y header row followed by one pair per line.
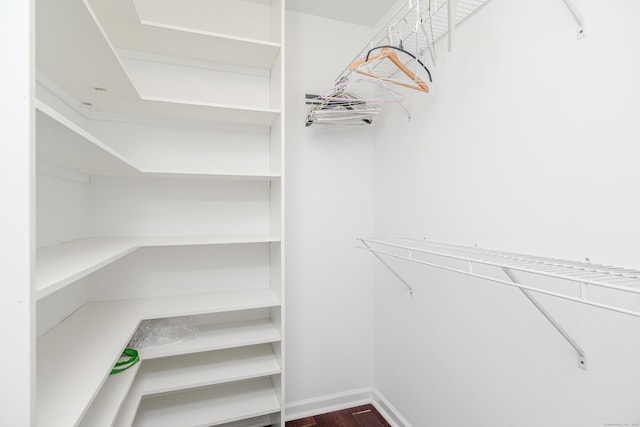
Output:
x,y
171,330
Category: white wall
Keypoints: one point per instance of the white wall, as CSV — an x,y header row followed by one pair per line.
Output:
x,y
528,142
329,201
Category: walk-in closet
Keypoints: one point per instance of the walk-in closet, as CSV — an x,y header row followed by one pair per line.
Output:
x,y
251,213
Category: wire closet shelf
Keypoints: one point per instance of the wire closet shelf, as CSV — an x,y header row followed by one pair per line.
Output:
x,y
418,26
611,287
408,38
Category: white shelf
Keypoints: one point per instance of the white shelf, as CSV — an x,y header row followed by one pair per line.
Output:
x,y
76,356
219,302
611,288
210,406
205,369
190,43
65,144
69,146
78,68
198,370
105,407
59,265
229,239
218,337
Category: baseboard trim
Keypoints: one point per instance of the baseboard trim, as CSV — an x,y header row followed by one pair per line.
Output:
x,y
388,411
344,400
327,403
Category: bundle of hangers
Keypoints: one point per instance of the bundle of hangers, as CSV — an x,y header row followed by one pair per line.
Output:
x,y
394,58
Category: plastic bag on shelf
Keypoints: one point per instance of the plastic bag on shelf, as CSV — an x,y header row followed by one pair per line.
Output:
x,y
171,330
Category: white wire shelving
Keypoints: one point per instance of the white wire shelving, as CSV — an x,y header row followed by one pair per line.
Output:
x,y
414,29
418,26
606,287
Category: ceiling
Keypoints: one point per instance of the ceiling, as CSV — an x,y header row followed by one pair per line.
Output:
x,y
361,12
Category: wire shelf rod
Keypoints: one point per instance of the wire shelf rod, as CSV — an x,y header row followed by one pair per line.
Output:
x,y
504,282
502,264
545,260
553,261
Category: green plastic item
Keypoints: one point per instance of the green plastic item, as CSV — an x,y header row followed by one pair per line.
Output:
x,y
133,358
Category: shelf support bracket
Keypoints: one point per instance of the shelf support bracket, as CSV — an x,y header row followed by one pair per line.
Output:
x,y
404,282
577,16
582,358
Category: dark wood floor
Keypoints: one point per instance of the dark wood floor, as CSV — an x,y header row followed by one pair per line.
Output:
x,y
359,416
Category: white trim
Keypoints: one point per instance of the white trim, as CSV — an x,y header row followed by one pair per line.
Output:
x,y
388,411
338,401
327,403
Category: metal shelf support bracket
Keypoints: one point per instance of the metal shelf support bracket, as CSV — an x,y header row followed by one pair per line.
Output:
x,y
404,282
577,16
582,358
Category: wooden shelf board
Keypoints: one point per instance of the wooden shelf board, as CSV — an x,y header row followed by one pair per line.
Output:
x,y
210,406
218,337
60,265
205,369
106,405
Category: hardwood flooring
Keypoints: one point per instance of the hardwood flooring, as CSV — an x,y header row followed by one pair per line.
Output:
x,y
359,416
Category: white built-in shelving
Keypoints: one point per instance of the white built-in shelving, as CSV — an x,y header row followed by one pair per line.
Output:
x,y
196,370
159,141
60,265
95,63
66,144
210,406
202,369
94,335
110,399
218,337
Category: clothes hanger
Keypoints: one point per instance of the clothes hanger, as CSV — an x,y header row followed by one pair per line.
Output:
x,y
387,63
370,64
348,110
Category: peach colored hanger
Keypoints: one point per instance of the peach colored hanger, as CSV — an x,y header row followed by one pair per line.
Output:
x,y
390,54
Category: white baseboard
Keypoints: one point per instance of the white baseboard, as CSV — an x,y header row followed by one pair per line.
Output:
x,y
388,411
344,400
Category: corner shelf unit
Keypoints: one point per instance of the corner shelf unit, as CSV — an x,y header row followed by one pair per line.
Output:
x,y
606,287
103,68
160,194
104,329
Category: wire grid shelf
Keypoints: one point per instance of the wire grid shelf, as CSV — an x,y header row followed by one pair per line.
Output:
x,y
618,280
417,26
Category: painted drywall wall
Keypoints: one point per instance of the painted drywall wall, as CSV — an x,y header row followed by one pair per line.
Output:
x,y
329,201
528,142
